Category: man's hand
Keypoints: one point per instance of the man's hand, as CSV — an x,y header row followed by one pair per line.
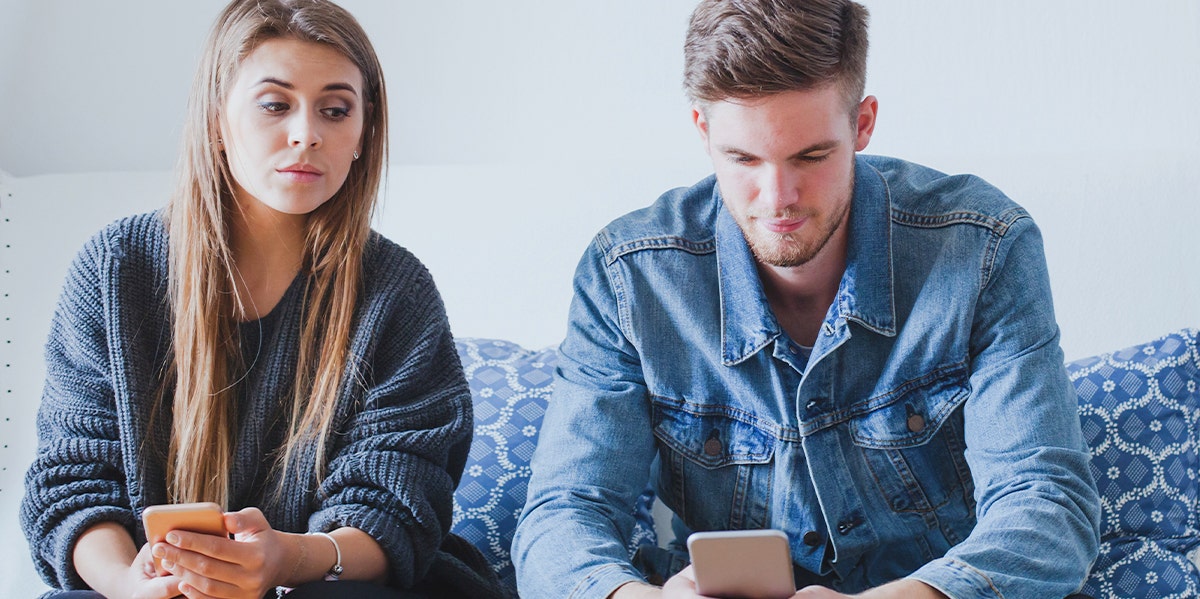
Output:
x,y
904,588
683,586
679,586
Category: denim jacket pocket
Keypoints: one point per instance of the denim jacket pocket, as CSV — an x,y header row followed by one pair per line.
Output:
x,y
913,444
714,466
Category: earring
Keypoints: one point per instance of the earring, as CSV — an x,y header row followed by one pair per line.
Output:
x,y
356,154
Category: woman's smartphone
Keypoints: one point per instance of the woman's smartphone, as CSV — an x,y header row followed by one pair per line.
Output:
x,y
193,517
742,564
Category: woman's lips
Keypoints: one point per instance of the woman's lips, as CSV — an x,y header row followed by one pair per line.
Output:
x,y
301,175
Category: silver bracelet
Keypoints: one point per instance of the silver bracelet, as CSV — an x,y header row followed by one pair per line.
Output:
x,y
335,571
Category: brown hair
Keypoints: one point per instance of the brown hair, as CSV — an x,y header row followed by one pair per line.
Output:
x,y
753,48
205,303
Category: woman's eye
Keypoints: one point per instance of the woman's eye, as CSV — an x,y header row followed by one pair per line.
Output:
x,y
272,106
336,112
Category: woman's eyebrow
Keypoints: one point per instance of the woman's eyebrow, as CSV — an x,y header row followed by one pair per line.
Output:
x,y
329,87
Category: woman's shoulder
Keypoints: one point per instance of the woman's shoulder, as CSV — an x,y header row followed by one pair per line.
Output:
x,y
131,240
146,230
389,265
393,278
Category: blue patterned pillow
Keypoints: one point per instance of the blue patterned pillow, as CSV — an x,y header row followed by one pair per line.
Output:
x,y
510,387
1140,410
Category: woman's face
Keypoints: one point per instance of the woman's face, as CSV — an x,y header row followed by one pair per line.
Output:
x,y
291,124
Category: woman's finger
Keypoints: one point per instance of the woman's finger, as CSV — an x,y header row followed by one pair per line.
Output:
x,y
223,549
196,586
246,523
178,561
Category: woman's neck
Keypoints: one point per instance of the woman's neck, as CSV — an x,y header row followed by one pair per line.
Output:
x,y
268,250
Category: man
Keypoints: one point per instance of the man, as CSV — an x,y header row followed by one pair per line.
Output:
x,y
858,351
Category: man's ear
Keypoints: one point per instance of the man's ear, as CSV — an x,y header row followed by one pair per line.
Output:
x,y
701,122
868,109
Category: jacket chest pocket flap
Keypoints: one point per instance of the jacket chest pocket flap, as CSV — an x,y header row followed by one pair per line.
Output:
x,y
712,439
913,443
715,470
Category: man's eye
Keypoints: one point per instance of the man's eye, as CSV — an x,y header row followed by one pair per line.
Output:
x,y
336,112
272,106
814,159
743,159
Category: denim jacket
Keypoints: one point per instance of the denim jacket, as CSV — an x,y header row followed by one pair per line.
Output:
x,y
930,432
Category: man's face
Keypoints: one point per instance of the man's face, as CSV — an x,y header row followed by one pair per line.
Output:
x,y
785,166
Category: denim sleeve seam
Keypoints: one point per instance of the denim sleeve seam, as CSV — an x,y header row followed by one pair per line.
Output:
x,y
985,577
996,239
969,569
594,576
615,283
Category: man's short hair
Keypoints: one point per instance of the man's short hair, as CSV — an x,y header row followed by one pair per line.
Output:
x,y
741,49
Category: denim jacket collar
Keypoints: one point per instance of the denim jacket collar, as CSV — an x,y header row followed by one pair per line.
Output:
x,y
865,294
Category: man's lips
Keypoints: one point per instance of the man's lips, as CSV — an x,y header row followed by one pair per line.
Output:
x,y
783,225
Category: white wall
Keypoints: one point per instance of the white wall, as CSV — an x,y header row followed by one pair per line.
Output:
x,y
521,127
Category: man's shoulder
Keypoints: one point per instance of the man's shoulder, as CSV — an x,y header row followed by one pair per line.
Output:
x,y
682,218
921,196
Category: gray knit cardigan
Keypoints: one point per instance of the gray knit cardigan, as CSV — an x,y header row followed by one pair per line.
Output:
x,y
402,426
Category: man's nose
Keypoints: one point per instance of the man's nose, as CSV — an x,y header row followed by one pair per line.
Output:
x,y
778,188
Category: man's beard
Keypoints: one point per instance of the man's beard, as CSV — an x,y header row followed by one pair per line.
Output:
x,y
786,250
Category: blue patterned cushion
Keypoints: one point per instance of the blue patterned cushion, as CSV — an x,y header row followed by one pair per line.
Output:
x,y
510,387
1140,409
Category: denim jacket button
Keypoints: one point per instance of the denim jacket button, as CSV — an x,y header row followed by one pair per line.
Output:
x,y
812,538
916,423
845,527
712,446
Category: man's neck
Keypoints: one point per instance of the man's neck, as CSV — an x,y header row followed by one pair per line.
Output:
x,y
800,296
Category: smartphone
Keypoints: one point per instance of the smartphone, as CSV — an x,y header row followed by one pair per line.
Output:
x,y
193,517
742,564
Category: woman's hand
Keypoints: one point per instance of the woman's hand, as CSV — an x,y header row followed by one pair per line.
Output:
x,y
106,558
247,566
143,583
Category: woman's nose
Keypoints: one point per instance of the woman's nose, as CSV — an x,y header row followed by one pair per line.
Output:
x,y
303,133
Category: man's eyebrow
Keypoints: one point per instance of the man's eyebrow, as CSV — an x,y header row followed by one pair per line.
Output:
x,y
817,147
289,86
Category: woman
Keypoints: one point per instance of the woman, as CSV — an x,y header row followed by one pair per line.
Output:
x,y
256,345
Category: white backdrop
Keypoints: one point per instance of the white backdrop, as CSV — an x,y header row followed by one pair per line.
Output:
x,y
521,127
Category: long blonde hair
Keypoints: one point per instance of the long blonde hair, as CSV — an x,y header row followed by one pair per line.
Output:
x,y
203,296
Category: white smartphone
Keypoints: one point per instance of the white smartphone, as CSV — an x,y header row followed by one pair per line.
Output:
x,y
742,564
203,517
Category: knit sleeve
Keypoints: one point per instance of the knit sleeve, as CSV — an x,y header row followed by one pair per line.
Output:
x,y
397,462
77,478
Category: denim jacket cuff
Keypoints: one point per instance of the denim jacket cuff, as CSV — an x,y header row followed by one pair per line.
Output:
x,y
956,579
603,580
